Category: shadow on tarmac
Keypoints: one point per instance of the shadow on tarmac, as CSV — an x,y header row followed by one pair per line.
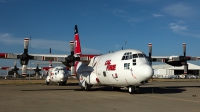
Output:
x,y
143,90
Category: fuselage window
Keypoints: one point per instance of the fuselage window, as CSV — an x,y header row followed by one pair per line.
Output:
x,y
134,58
126,66
134,61
104,73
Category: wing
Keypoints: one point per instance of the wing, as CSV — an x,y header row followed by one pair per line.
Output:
x,y
173,58
180,60
40,57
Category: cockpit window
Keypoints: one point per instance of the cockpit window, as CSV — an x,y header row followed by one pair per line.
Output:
x,y
61,69
140,55
127,56
135,56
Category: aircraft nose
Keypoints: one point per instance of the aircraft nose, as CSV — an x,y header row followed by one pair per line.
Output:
x,y
61,75
146,71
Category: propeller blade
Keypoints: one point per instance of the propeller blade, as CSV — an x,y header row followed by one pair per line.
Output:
x,y
184,54
50,51
72,70
185,69
184,49
15,63
15,74
37,63
24,70
26,42
150,53
71,45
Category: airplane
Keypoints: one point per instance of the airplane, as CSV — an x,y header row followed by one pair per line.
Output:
x,y
128,68
56,74
15,69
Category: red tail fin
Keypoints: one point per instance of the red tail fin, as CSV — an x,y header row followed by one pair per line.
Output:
x,y
77,49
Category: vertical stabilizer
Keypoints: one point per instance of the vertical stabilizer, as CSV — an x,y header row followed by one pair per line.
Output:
x,y
77,46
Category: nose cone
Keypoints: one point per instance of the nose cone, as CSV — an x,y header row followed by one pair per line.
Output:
x,y
144,72
61,75
147,71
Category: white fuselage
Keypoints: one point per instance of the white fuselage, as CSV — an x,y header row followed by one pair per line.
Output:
x,y
57,74
122,68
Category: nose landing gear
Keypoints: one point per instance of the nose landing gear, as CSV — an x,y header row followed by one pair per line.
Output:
x,y
133,89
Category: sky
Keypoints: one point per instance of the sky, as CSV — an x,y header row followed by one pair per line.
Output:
x,y
104,25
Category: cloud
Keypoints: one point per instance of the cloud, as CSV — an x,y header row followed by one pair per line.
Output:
x,y
181,29
120,13
42,43
126,15
177,28
180,10
158,15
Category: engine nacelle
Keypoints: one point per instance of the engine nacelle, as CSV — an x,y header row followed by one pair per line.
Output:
x,y
174,58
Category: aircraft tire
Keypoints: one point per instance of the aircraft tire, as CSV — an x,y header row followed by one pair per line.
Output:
x,y
137,90
63,83
87,86
59,84
47,83
131,89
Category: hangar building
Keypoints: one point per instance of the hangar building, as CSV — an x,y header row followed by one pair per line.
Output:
x,y
165,69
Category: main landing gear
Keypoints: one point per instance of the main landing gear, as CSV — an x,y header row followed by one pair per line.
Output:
x,y
133,89
61,83
47,83
87,87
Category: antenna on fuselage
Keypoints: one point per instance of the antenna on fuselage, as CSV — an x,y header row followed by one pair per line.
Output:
x,y
50,62
125,44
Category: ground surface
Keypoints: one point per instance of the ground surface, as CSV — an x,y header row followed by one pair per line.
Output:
x,y
154,97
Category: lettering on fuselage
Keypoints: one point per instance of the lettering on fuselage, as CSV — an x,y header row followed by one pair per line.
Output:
x,y
109,66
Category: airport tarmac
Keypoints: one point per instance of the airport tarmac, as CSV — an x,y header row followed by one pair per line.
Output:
x,y
154,97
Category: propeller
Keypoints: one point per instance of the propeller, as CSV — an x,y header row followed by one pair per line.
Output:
x,y
150,53
25,57
15,69
37,70
185,59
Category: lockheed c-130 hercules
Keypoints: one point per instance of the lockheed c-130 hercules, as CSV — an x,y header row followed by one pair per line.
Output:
x,y
124,68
